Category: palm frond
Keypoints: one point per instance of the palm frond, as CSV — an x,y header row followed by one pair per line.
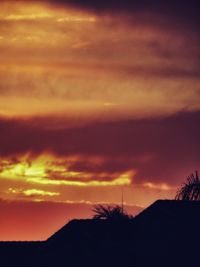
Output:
x,y
109,212
190,190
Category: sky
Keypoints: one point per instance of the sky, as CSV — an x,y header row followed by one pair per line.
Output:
x,y
96,98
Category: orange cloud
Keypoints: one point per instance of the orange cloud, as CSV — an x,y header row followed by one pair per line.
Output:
x,y
162,186
33,192
43,170
75,178
59,53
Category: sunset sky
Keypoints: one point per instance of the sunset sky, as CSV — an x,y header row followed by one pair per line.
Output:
x,y
96,98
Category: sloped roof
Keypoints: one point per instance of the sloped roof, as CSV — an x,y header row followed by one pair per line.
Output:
x,y
171,210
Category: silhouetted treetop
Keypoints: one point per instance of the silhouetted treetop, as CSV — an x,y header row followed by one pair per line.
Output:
x,y
190,190
110,212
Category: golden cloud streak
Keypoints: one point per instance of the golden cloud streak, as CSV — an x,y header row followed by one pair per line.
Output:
x,y
38,11
162,186
69,18
124,179
47,170
32,192
36,192
27,16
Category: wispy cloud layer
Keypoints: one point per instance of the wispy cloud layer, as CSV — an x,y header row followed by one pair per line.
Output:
x,y
160,149
74,61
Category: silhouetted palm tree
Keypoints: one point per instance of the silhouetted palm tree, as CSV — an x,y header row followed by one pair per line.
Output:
x,y
110,212
190,189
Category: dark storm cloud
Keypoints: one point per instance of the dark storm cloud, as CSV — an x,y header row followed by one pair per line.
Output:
x,y
161,149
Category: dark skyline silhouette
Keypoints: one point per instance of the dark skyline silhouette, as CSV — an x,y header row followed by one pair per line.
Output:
x,y
159,235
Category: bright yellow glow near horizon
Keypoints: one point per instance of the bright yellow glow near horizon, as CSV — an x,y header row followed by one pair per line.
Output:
x,y
47,170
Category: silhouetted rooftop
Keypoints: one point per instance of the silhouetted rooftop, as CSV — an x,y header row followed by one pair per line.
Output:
x,y
171,210
163,232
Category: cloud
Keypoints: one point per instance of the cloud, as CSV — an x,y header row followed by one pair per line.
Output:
x,y
182,12
174,6
143,62
46,170
32,192
173,13
159,150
